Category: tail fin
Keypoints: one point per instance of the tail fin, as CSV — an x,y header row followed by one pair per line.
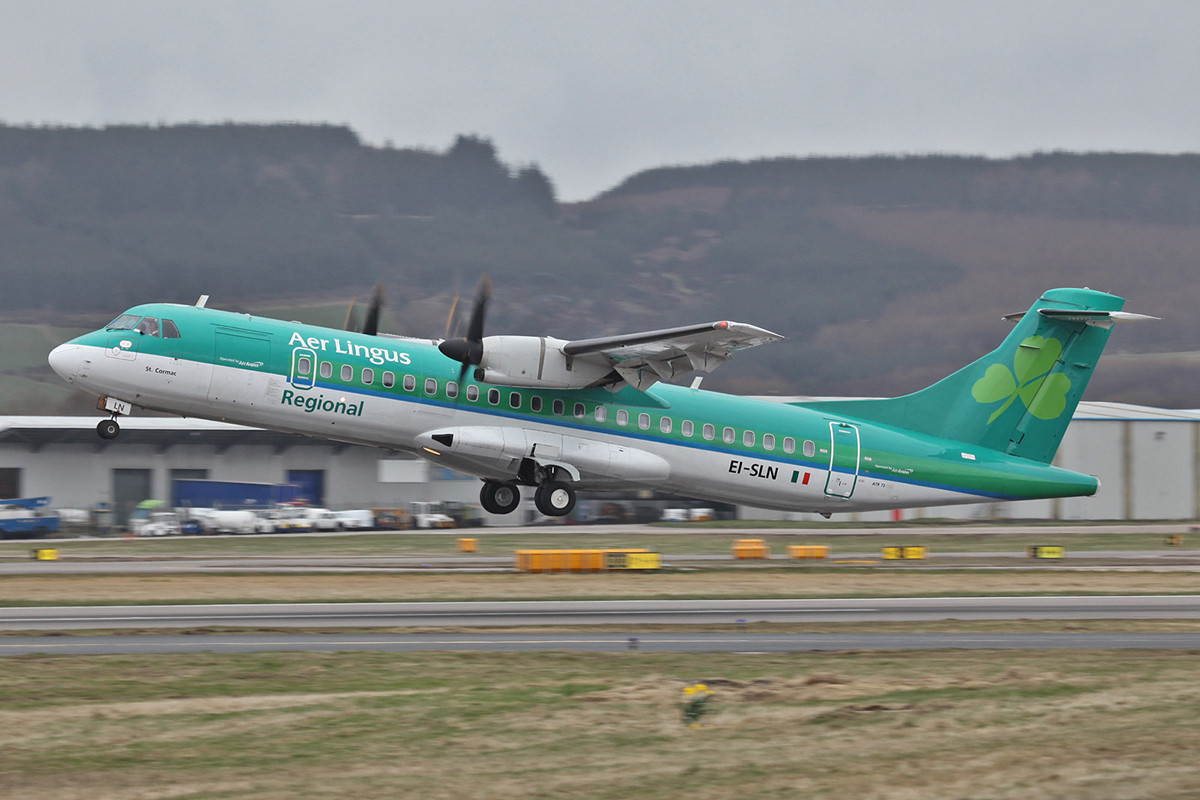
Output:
x,y
1019,398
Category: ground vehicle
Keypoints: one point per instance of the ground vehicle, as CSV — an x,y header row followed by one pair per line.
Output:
x,y
320,519
428,514
359,519
159,523
285,519
218,520
26,518
396,519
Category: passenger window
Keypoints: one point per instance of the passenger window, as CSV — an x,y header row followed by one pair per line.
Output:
x,y
347,373
709,431
410,383
368,376
304,365
535,403
430,386
601,414
559,407
622,417
169,330
580,410
514,400
389,380
665,424
494,396
472,393
644,421
789,445
810,448
326,369
748,439
727,435
768,441
687,428
451,389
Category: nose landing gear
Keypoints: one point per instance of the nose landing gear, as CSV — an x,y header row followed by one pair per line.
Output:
x,y
108,428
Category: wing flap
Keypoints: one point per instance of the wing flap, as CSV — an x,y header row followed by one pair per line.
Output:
x,y
642,359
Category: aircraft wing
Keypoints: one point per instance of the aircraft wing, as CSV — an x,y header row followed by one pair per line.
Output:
x,y
642,359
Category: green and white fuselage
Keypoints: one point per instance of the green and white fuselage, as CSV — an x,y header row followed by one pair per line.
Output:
x,y
987,432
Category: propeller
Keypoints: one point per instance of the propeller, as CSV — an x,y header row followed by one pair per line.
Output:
x,y
370,325
469,351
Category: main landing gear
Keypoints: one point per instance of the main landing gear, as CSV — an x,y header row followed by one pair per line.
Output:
x,y
553,497
500,498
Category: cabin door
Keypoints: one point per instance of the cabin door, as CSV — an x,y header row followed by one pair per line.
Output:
x,y
844,454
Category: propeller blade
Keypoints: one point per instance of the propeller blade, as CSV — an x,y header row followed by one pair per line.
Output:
x,y
452,319
469,351
371,325
482,295
351,321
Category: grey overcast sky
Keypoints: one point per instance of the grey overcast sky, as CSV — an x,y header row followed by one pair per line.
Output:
x,y
595,90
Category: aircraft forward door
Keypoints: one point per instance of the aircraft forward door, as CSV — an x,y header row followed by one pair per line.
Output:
x,y
304,368
844,454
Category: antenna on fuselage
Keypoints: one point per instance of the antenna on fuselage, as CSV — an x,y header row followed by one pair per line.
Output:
x,y
202,302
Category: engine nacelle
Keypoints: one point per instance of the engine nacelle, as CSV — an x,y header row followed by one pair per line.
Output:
x,y
536,362
498,451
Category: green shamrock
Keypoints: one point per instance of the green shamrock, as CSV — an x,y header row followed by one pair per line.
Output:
x,y
1045,395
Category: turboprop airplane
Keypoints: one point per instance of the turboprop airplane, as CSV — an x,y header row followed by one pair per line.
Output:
x,y
558,416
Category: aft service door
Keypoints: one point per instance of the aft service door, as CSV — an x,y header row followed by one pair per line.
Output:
x,y
843,459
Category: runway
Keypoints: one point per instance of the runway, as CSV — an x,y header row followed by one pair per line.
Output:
x,y
579,615
749,643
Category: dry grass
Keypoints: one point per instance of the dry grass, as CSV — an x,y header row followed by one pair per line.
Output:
x,y
71,589
892,726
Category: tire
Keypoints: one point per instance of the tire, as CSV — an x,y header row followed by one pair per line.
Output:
x,y
554,499
499,498
108,429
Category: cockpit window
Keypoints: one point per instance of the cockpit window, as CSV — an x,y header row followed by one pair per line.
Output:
x,y
125,322
169,331
148,326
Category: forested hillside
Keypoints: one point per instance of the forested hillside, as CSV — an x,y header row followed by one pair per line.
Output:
x,y
884,272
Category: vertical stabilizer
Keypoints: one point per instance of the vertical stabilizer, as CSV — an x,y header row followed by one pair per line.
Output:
x,y
1019,398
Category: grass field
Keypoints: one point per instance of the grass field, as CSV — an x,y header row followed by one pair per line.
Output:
x,y
884,725
887,725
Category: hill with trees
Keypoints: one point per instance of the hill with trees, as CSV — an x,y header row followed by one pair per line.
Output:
x,y
885,272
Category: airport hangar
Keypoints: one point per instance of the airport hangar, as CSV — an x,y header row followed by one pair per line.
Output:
x,y
1147,459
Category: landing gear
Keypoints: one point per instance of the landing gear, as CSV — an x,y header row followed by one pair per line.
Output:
x,y
554,498
499,498
108,429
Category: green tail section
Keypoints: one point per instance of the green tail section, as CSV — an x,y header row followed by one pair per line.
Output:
x,y
1019,398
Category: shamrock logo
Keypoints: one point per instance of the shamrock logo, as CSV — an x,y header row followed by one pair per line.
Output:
x,y
1045,395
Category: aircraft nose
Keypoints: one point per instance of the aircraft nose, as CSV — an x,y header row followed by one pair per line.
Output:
x,y
65,359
